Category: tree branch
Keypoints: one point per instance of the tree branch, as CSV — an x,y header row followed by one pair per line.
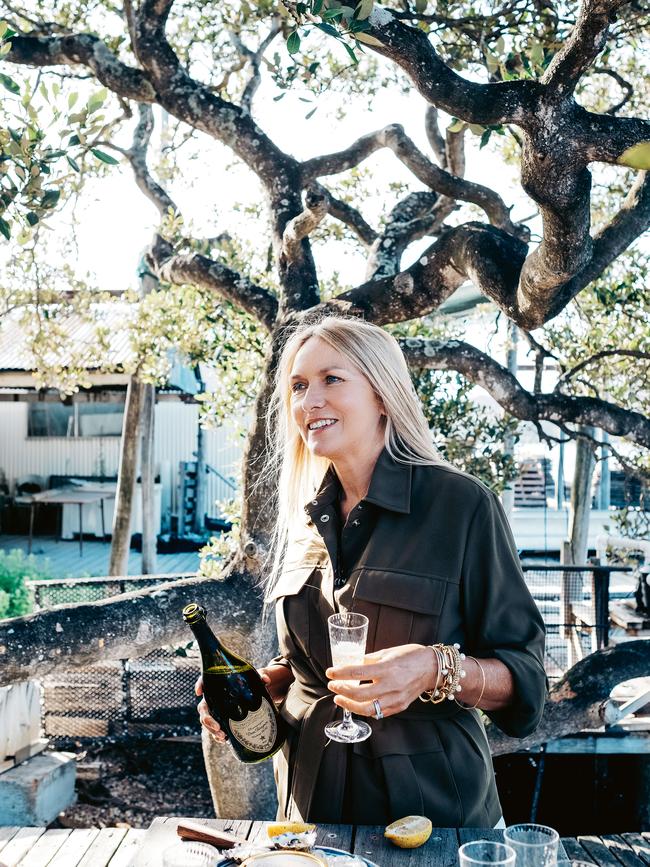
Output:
x,y
492,259
606,353
586,41
434,136
579,700
198,270
344,212
503,386
83,49
625,86
137,156
410,48
435,178
316,208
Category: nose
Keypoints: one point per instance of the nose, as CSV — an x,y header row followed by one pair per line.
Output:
x,y
313,398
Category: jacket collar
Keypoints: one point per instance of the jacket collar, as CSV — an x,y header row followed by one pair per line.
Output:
x,y
390,487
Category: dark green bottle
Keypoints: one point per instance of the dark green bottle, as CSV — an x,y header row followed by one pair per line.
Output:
x,y
236,695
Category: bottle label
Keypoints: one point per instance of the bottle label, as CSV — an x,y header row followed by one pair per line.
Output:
x,y
258,730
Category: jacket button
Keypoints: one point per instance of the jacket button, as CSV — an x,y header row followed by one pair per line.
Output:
x,y
314,502
324,518
356,523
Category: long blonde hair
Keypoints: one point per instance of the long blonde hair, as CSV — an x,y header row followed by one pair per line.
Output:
x,y
407,438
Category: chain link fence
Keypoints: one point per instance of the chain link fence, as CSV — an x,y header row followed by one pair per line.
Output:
x,y
155,693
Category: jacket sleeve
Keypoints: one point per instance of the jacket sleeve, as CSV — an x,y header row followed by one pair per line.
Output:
x,y
501,617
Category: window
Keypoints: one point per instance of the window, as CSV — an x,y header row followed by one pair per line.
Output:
x,y
51,419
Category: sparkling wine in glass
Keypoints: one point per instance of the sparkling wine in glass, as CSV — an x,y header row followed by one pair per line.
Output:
x,y
348,633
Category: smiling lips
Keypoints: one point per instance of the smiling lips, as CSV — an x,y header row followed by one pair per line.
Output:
x,y
321,423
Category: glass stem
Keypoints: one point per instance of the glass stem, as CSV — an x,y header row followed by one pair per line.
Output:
x,y
347,719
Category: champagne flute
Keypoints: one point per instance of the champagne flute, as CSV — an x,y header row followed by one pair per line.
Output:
x,y
348,633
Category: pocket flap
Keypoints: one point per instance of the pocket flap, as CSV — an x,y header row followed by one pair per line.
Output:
x,y
292,581
400,738
422,593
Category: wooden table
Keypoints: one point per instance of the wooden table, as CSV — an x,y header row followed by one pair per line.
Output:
x,y
68,496
119,847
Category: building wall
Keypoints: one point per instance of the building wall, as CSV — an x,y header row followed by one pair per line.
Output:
x,y
175,441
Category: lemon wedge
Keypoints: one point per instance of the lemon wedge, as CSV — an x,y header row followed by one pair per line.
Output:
x,y
277,828
409,832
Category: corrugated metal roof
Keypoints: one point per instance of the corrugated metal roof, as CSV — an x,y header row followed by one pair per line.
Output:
x,y
77,341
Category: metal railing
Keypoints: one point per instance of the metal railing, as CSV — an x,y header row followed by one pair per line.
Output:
x,y
155,693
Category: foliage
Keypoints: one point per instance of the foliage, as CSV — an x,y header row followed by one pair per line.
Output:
x,y
15,570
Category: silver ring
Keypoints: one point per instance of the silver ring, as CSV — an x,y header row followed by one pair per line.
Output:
x,y
378,713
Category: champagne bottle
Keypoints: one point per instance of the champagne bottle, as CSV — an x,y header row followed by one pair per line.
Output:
x,y
236,695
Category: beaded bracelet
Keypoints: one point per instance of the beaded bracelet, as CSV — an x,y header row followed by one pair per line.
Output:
x,y
449,659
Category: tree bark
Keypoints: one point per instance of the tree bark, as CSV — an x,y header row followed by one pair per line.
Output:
x,y
580,507
148,476
121,541
578,701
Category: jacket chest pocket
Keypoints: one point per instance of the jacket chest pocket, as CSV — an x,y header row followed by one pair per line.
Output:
x,y
292,595
402,607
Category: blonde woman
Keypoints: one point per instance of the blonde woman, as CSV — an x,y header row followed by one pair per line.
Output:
x,y
371,519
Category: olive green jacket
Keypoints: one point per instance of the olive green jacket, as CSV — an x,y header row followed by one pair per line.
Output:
x,y
437,563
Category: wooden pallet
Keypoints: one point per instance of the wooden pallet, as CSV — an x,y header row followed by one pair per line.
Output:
x,y
625,616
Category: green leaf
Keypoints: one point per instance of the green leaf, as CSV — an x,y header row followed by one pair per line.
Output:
x,y
293,42
364,9
318,5
10,84
73,163
74,140
278,98
3,28
420,5
5,49
97,100
330,14
50,198
353,56
32,218
311,113
476,128
358,26
456,125
72,99
331,31
5,229
537,53
485,138
105,158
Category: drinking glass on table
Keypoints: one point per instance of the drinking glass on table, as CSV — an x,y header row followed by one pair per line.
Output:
x,y
535,845
348,633
480,853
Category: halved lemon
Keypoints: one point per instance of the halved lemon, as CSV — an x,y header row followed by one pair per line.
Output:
x,y
277,828
409,832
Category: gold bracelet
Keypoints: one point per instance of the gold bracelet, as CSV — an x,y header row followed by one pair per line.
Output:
x,y
478,700
449,659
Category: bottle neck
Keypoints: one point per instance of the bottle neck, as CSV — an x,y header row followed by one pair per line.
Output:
x,y
209,644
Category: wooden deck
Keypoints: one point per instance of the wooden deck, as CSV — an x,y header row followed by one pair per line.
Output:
x,y
121,847
62,560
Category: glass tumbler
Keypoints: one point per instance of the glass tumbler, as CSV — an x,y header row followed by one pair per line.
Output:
x,y
478,853
535,845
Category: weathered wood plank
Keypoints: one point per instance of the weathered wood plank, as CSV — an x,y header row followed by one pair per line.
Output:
x,y
74,848
440,850
574,850
623,851
45,848
102,848
599,852
6,834
19,845
639,845
128,848
467,835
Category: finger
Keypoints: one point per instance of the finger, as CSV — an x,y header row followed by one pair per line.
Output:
x,y
265,677
362,692
365,708
198,686
355,672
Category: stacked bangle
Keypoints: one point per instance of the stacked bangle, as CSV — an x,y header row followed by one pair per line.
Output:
x,y
449,673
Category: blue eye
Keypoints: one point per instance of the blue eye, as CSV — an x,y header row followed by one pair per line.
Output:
x,y
295,386
332,376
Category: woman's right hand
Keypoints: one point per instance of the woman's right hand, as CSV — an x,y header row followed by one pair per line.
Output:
x,y
277,679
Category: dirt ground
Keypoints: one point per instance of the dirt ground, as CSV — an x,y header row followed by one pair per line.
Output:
x,y
130,784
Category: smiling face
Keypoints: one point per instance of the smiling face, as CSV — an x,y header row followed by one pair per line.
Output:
x,y
333,404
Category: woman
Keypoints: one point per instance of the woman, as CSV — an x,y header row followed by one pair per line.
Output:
x,y
371,519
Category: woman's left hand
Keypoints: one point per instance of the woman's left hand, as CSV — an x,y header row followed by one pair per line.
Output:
x,y
397,675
